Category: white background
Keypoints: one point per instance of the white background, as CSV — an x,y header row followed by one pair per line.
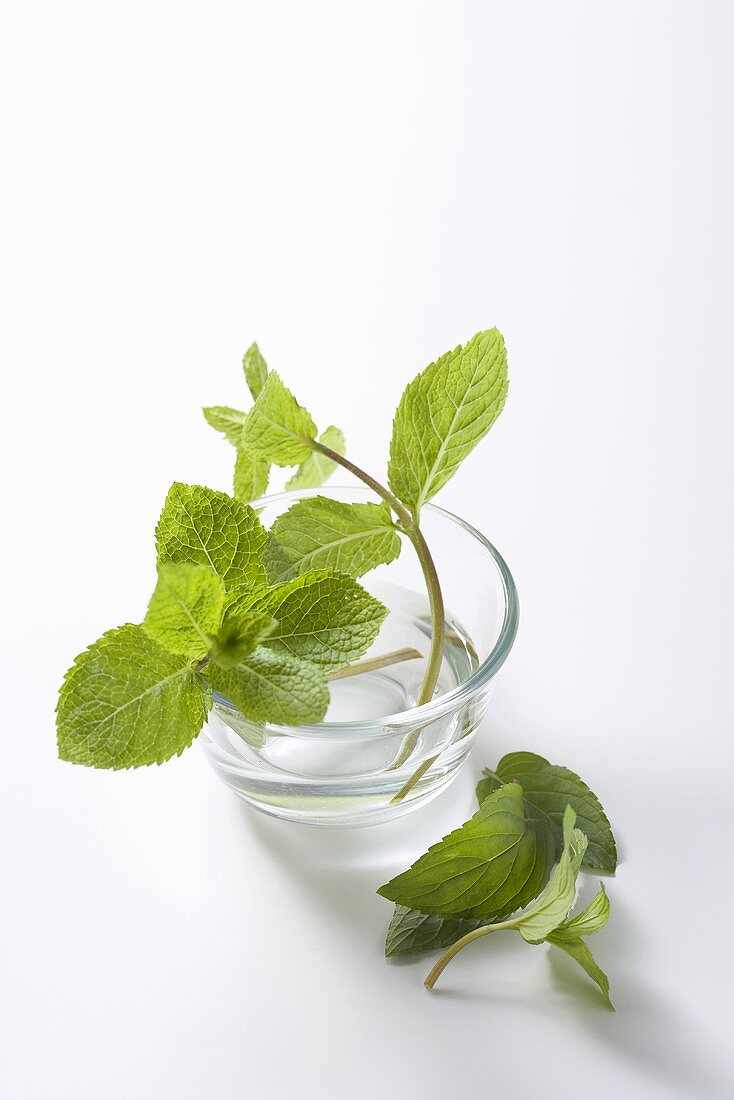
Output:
x,y
360,187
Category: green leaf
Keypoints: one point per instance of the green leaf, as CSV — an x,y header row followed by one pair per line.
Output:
x,y
126,701
185,609
443,414
589,920
325,618
578,950
251,475
411,932
318,468
494,864
318,533
239,637
273,687
536,923
548,789
228,421
276,561
256,370
277,428
203,527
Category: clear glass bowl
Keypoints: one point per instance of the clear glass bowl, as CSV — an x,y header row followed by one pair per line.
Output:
x,y
348,770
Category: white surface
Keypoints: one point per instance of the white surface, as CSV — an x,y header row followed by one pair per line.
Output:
x,y
360,187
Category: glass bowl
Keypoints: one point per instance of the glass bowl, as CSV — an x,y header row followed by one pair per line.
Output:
x,y
352,768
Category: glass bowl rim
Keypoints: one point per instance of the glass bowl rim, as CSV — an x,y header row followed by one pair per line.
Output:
x,y
451,700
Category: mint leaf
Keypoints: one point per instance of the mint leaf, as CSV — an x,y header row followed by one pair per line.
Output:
x,y
536,923
443,414
126,701
319,533
255,368
548,789
239,636
411,932
325,618
495,863
590,920
318,468
274,687
578,950
228,421
185,609
203,527
277,428
251,475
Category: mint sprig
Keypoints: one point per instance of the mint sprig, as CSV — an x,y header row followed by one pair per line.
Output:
x,y
444,899
301,575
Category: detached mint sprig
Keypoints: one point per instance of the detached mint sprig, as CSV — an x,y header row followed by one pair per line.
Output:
x,y
485,876
547,920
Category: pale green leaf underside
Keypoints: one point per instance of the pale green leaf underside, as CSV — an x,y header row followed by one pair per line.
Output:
x,y
126,702
411,932
443,414
548,789
239,636
319,533
579,951
255,368
274,687
325,618
251,475
185,609
228,421
590,920
318,468
552,909
278,429
201,526
494,864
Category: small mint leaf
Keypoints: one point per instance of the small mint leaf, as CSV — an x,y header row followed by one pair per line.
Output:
x,y
274,687
255,368
251,475
318,468
494,864
443,414
319,533
238,638
204,527
590,920
578,951
536,923
126,702
185,609
278,429
228,421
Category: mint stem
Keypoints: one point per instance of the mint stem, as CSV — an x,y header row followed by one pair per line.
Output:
x,y
447,956
373,664
411,528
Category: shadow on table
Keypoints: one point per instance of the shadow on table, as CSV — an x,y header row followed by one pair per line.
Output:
x,y
341,870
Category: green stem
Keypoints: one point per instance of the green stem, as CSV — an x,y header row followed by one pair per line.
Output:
x,y
493,775
410,527
455,948
372,664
